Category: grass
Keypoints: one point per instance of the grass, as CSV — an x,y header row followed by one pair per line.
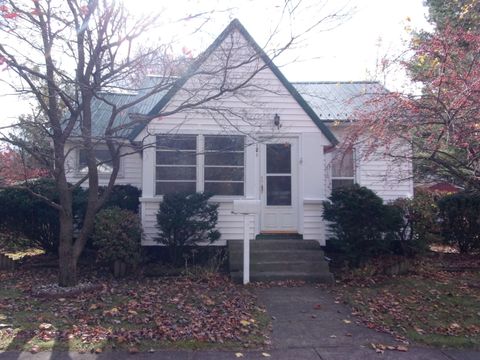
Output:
x,y
429,305
136,313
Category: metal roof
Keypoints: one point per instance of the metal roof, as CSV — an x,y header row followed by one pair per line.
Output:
x,y
334,101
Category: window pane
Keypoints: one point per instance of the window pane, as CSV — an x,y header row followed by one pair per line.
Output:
x,y
101,156
224,143
279,190
177,142
224,158
342,164
176,173
221,173
278,158
175,186
224,188
176,158
341,183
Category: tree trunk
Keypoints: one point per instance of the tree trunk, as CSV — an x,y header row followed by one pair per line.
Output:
x,y
67,260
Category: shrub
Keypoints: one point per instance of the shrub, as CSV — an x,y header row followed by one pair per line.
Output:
x,y
186,219
28,216
460,220
123,196
117,236
25,215
361,225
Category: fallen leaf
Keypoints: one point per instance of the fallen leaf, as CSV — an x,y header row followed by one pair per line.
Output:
x,y
317,307
133,350
238,355
401,348
264,354
347,321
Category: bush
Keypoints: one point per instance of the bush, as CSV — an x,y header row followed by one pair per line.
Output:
x,y
123,196
118,236
25,215
361,225
28,216
460,220
186,219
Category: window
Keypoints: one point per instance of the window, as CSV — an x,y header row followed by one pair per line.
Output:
x,y
102,157
224,165
343,169
176,164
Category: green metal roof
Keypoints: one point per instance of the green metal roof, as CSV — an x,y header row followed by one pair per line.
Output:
x,y
322,101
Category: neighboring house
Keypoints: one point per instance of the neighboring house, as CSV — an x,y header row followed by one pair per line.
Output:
x,y
272,140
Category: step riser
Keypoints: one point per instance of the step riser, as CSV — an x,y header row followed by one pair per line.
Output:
x,y
276,245
317,256
275,267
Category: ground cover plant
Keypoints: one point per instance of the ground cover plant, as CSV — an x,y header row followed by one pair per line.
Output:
x,y
132,314
437,303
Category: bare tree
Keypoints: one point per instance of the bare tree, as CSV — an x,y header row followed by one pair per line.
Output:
x,y
72,55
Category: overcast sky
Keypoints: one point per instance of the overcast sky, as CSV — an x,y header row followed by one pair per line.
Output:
x,y
347,52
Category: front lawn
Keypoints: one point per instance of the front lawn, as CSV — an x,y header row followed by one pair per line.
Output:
x,y
437,303
135,314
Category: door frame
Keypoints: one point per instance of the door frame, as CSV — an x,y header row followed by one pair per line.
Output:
x,y
295,184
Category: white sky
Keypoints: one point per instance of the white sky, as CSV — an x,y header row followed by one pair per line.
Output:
x,y
348,52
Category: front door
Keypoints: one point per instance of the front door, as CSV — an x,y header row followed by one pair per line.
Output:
x,y
279,183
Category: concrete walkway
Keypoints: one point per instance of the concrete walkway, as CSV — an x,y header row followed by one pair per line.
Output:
x,y
307,325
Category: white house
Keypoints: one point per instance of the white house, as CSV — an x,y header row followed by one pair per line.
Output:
x,y
266,139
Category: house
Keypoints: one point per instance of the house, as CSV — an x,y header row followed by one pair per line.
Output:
x,y
267,139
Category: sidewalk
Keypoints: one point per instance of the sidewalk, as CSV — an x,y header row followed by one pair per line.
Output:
x,y
307,325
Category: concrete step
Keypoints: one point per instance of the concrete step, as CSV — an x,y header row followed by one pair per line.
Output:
x,y
282,266
236,256
276,244
321,277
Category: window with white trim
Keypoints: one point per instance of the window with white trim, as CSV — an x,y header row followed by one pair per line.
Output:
x,y
343,169
176,164
102,157
179,163
224,164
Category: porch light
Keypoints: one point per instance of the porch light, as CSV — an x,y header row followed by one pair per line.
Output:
x,y
276,121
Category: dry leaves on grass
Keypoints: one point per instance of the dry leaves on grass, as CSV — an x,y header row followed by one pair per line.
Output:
x,y
211,310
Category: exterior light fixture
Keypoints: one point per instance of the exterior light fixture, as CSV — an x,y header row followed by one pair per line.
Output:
x,y
276,121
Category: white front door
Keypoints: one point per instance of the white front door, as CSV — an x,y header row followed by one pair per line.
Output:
x,y
279,185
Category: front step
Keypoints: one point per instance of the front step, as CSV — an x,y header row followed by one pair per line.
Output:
x,y
280,259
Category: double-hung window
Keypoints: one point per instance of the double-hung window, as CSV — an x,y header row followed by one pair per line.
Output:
x,y
189,163
102,157
343,169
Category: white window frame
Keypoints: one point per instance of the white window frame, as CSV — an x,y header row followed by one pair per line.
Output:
x,y
354,170
200,166
101,174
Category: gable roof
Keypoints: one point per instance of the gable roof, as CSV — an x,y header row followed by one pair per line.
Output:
x,y
338,101
236,25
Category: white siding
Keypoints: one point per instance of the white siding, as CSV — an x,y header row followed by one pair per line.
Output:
x,y
250,111
389,178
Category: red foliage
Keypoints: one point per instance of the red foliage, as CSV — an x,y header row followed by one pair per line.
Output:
x,y
442,123
14,169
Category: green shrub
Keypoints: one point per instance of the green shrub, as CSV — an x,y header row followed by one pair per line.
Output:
x,y
123,196
117,236
186,219
25,215
361,225
460,220
28,216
